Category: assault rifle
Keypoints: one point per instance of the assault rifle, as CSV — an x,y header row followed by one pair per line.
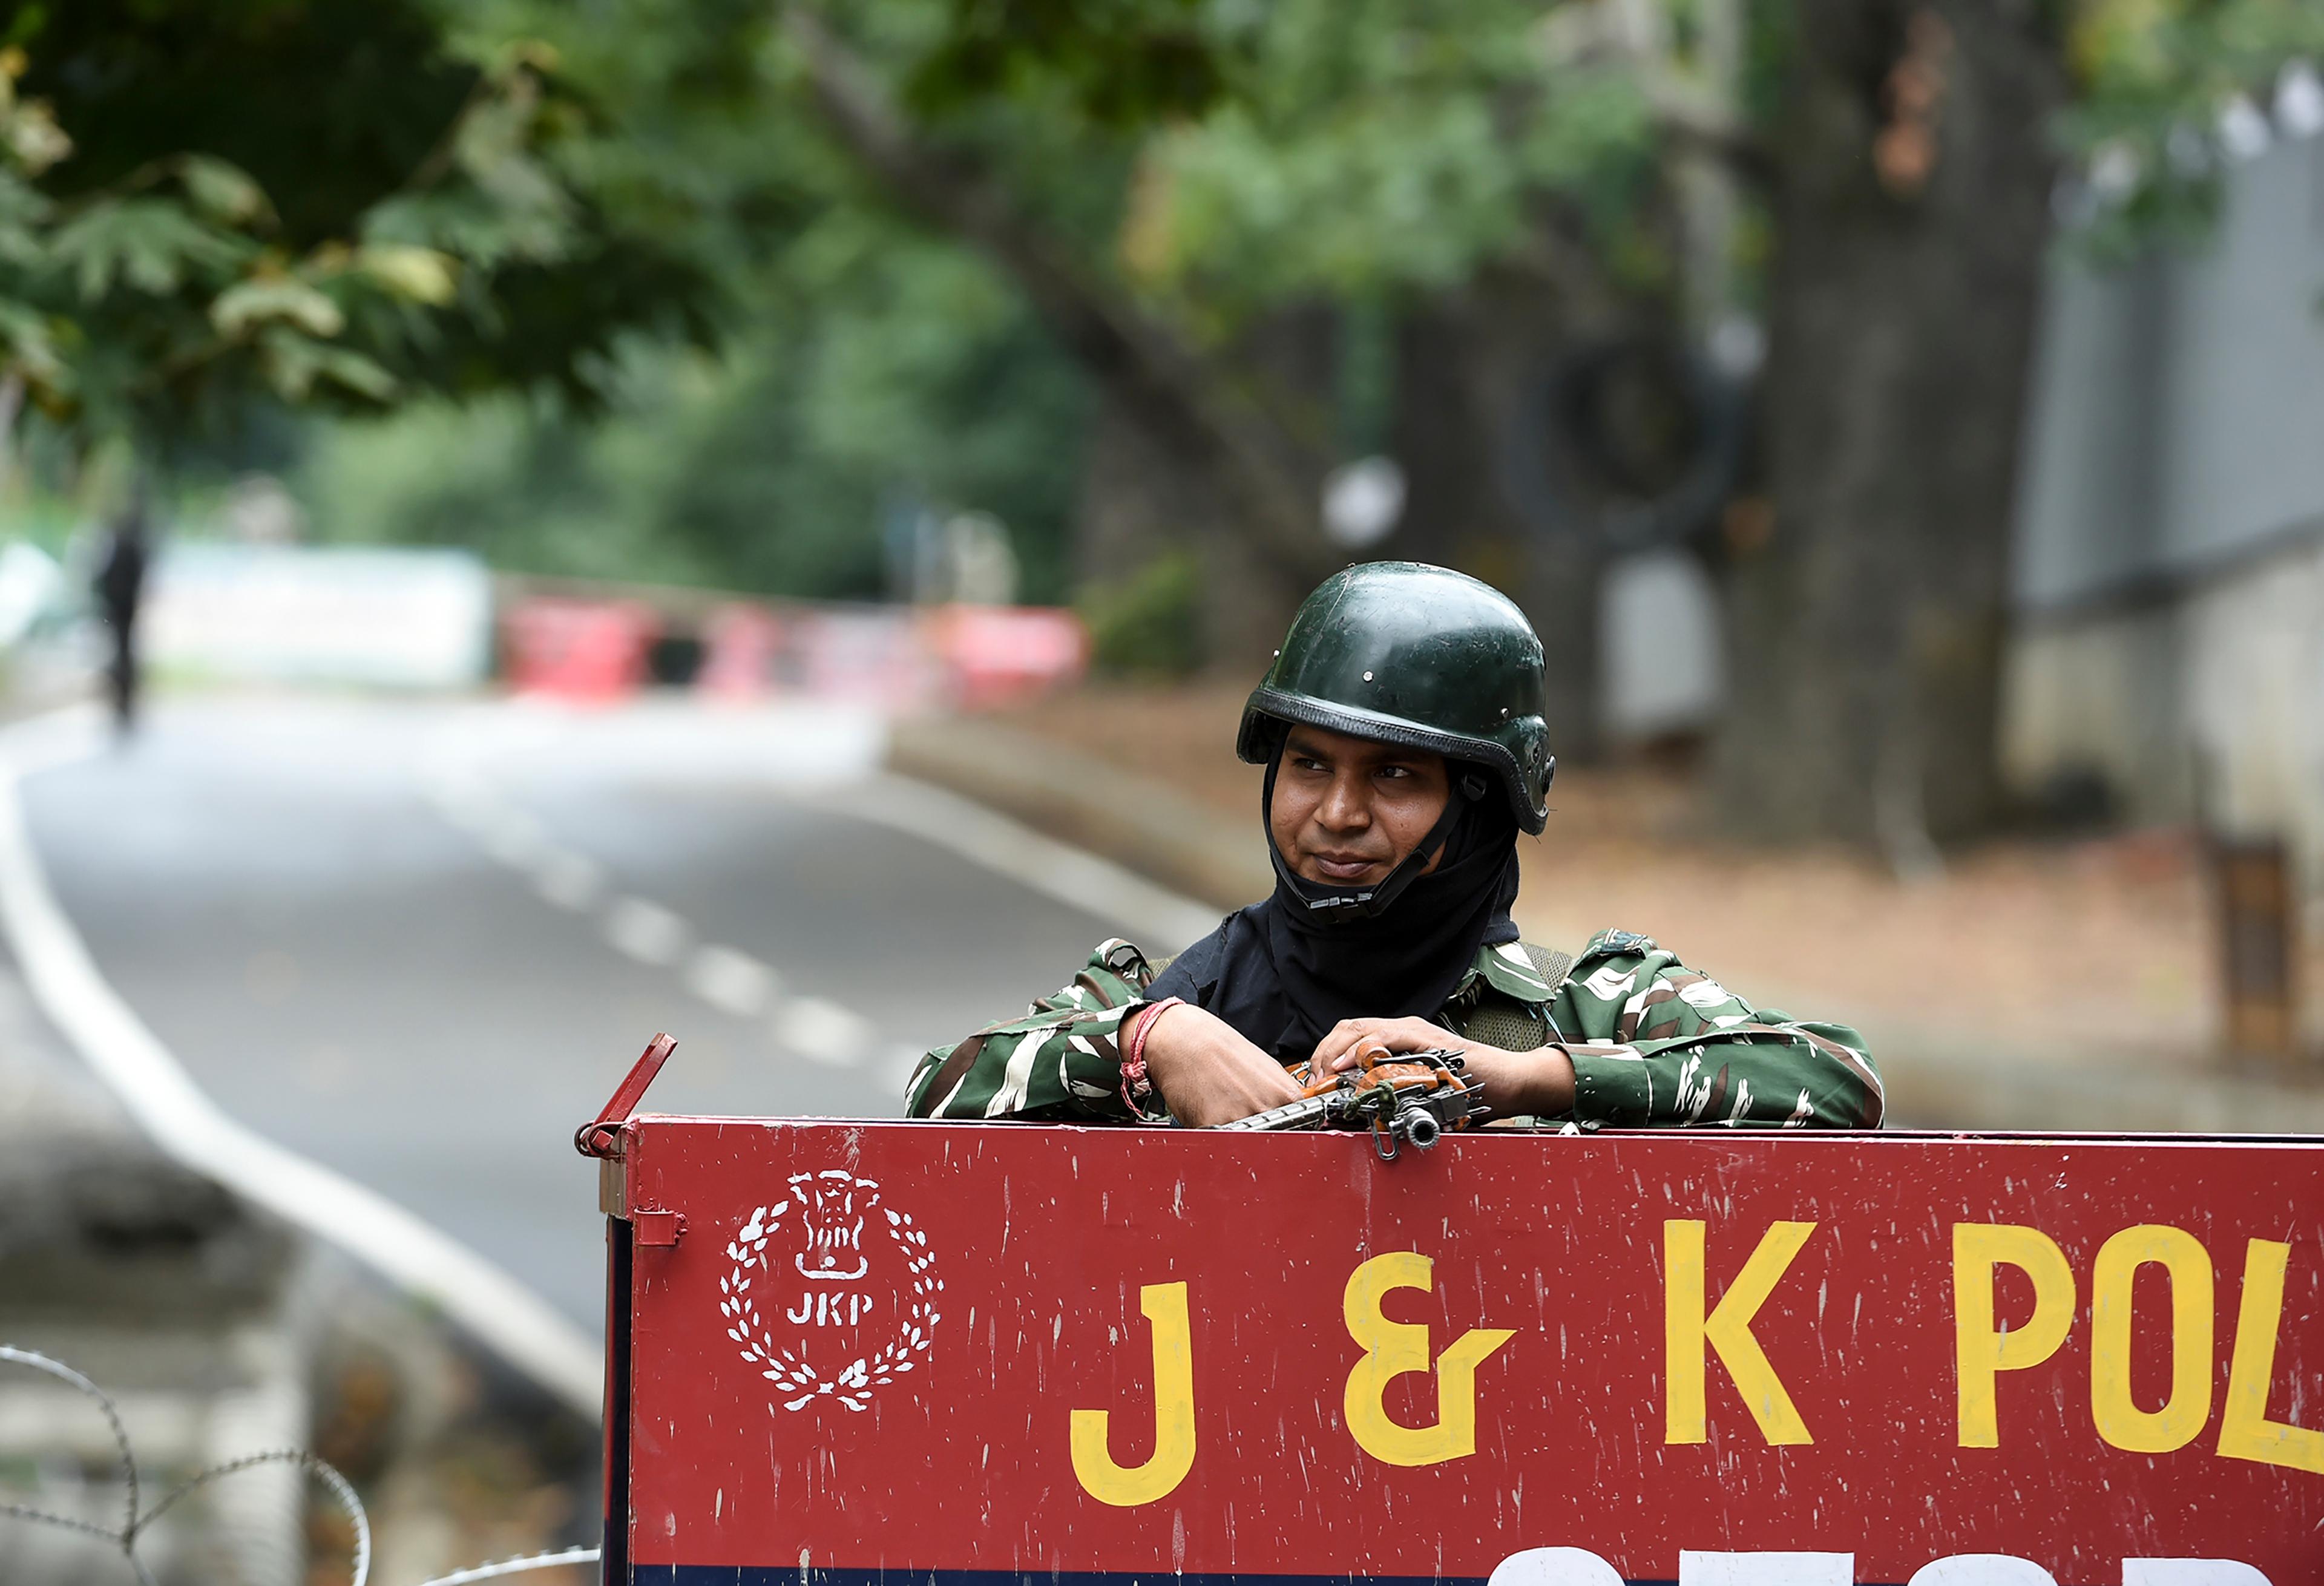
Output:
x,y
1399,1096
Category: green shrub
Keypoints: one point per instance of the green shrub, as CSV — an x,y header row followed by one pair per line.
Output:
x,y
1148,624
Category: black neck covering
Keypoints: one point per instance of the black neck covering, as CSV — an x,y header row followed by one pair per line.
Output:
x,y
1283,977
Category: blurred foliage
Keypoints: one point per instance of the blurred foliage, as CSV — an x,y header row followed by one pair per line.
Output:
x,y
768,468
865,361
1371,144
1124,63
1298,154
1148,624
206,204
2166,91
1388,144
363,204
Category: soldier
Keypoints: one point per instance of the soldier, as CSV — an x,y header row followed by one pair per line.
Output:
x,y
120,586
1402,732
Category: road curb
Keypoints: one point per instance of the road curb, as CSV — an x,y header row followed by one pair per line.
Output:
x,y
1932,1081
161,1098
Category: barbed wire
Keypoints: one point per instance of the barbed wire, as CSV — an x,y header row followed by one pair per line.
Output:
x,y
516,1566
125,1538
64,1373
136,1522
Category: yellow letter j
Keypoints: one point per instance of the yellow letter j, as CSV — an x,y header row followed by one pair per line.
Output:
x,y
1164,1306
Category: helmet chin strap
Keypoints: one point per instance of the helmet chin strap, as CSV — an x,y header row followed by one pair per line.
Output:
x,y
1330,905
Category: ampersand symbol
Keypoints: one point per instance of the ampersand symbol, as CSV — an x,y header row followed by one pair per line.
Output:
x,y
1393,1348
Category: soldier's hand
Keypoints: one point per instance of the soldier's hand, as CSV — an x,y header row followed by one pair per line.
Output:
x,y
1516,1083
1207,1073
1336,1052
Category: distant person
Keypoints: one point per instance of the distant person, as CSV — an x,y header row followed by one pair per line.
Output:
x,y
120,588
1401,727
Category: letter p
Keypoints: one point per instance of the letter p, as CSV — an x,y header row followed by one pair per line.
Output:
x,y
1980,1351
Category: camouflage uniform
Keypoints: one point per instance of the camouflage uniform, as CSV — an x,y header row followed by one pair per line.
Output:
x,y
1652,1042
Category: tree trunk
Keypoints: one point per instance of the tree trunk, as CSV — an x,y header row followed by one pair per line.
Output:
x,y
1912,210
1463,360
1141,498
1147,492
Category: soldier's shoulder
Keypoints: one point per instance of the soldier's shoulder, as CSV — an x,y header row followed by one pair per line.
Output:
x,y
1522,970
1615,943
1609,963
1125,961
1533,973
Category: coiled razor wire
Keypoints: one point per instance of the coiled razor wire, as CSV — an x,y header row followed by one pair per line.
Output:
x,y
125,1538
135,1524
516,1566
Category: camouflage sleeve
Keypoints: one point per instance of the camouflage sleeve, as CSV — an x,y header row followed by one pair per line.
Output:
x,y
1654,1042
1060,1063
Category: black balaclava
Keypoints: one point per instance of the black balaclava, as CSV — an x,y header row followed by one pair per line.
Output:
x,y
1285,970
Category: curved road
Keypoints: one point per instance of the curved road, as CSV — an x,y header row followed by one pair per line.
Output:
x,y
420,941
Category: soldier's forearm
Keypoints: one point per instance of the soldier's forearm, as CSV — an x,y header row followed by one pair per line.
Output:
x,y
1538,1083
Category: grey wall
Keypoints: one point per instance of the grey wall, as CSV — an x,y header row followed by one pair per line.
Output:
x,y
2176,420
2169,569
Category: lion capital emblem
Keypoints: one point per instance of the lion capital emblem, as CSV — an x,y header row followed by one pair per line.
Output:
x,y
832,1293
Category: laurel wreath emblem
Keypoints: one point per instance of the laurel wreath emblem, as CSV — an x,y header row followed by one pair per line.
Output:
x,y
791,1372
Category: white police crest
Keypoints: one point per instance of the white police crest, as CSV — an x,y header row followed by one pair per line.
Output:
x,y
853,1295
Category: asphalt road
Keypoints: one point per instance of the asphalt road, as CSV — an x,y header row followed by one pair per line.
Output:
x,y
421,942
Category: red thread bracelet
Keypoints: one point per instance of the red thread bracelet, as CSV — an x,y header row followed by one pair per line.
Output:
x,y
1134,1083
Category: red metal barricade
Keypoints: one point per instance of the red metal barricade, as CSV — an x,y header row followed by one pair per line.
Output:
x,y
851,1352
741,652
578,648
995,655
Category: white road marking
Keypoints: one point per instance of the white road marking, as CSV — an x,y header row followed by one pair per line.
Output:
x,y
154,1089
569,879
732,981
513,837
1159,919
728,979
647,931
823,1032
808,1026
459,799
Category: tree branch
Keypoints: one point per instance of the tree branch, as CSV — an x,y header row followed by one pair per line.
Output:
x,y
1691,125
1163,382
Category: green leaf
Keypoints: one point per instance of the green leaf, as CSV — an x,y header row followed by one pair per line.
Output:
x,y
470,225
1124,64
293,363
423,275
149,243
31,134
23,211
30,351
357,373
223,191
248,303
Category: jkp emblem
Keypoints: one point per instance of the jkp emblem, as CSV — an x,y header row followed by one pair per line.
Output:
x,y
853,1293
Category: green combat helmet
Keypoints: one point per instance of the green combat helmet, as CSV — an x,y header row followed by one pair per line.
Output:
x,y
1424,657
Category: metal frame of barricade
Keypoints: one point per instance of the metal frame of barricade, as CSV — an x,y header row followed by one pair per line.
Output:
x,y
636,1233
